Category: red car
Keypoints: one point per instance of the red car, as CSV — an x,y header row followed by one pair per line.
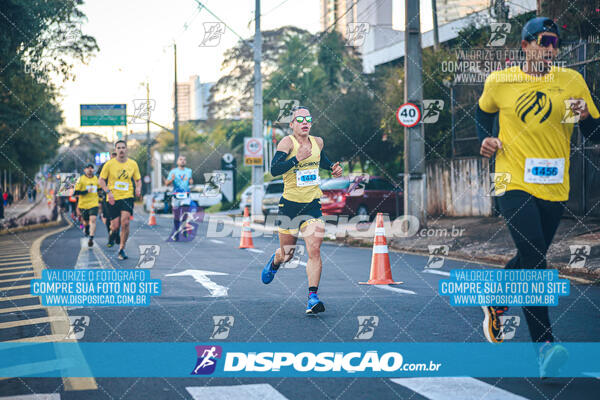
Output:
x,y
361,197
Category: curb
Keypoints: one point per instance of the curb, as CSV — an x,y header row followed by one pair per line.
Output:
x,y
33,227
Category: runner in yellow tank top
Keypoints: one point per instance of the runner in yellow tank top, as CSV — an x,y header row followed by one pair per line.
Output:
x,y
298,158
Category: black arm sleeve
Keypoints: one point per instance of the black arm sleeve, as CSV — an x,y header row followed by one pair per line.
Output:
x,y
325,163
484,123
80,192
279,165
590,128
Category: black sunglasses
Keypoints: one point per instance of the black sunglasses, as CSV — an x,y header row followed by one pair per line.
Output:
x,y
547,40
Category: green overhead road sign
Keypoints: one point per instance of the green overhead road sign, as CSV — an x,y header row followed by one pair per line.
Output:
x,y
103,114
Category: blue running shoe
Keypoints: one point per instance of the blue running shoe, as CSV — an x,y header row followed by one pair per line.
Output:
x,y
314,305
268,273
552,358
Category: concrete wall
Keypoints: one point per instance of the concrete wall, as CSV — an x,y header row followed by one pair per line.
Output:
x,y
458,187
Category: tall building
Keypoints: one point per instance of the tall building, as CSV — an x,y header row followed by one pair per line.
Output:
x,y
450,10
192,99
337,12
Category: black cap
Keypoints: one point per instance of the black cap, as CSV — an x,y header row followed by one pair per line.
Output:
x,y
89,165
538,25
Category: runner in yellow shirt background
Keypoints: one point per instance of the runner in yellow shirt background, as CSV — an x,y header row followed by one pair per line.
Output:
x,y
86,189
115,180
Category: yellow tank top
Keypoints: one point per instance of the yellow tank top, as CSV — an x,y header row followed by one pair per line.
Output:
x,y
301,183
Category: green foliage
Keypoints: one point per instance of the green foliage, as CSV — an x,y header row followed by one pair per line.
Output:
x,y
38,39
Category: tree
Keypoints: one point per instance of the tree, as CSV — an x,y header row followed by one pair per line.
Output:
x,y
43,39
232,95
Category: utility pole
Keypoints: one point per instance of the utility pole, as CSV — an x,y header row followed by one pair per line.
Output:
x,y
257,121
415,193
176,122
148,160
436,33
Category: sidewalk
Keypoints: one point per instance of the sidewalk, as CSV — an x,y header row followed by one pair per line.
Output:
x,y
24,213
487,240
471,239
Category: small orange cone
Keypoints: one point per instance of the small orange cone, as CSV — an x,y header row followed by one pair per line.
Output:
x,y
152,219
246,239
381,272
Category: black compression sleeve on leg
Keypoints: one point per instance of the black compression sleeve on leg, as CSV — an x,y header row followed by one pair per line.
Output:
x,y
80,192
484,123
325,163
279,165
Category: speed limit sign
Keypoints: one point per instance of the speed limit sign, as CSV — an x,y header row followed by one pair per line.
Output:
x,y
408,115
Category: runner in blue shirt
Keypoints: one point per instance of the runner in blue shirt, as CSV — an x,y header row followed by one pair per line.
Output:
x,y
181,178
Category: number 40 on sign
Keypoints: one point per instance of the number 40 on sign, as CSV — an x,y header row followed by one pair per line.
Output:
x,y
408,115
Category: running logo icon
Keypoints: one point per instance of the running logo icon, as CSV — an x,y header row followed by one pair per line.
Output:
x,y
432,110
509,324
212,34
285,110
366,326
148,255
356,33
358,185
436,255
77,327
141,110
207,359
223,324
571,116
499,183
579,255
214,182
297,251
500,31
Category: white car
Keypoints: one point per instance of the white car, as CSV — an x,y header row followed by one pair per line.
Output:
x,y
246,197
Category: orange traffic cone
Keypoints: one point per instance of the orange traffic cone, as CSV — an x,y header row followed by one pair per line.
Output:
x,y
246,239
152,219
381,272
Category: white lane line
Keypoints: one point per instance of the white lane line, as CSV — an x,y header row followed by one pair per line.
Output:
x,y
259,391
464,388
217,241
435,271
255,250
37,396
202,278
394,289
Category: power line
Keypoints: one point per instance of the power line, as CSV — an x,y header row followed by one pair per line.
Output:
x,y
221,21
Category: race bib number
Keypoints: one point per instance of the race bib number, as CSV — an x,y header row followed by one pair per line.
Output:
x,y
544,170
307,177
181,196
91,188
121,185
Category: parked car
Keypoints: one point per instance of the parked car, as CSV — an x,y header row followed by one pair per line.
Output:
x,y
273,192
361,197
159,199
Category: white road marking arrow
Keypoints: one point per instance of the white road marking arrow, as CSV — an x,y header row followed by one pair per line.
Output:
x,y
201,277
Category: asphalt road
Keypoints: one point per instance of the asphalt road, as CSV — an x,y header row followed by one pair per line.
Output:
x,y
410,312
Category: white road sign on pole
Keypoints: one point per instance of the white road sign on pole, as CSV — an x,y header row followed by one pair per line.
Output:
x,y
408,115
253,151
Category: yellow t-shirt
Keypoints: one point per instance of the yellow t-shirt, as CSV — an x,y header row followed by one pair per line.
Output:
x,y
301,183
535,141
119,176
90,199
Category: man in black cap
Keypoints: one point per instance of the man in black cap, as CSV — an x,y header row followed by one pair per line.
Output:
x,y
87,190
532,102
